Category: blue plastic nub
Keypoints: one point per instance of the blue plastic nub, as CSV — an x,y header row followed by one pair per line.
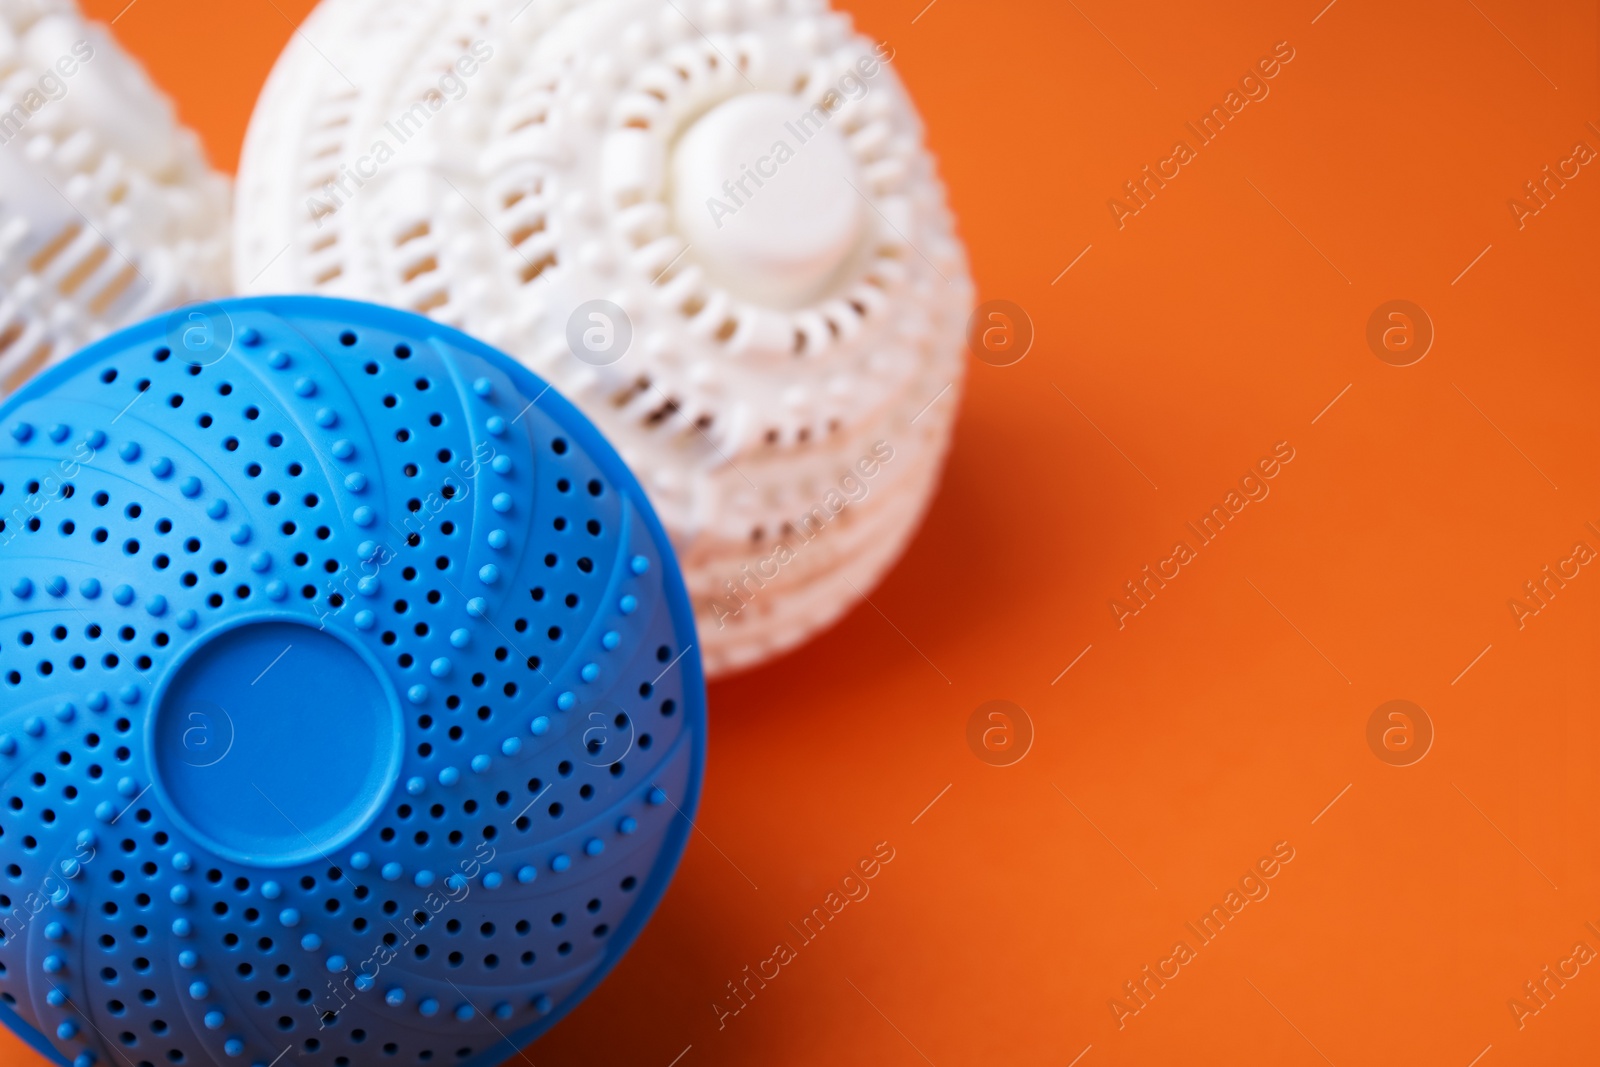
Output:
x,y
345,673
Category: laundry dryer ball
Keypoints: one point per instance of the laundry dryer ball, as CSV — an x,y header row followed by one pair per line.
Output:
x,y
350,702
108,210
712,224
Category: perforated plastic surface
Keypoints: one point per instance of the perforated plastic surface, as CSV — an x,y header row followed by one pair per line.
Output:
x,y
797,315
108,211
351,705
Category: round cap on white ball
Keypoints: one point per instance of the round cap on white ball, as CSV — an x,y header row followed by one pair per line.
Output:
x,y
765,192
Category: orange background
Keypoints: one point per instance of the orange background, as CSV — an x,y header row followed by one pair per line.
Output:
x,y
1228,714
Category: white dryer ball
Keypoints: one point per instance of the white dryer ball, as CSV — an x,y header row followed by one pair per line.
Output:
x,y
108,210
712,225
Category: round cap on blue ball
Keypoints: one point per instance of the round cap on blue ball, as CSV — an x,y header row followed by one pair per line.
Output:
x,y
349,698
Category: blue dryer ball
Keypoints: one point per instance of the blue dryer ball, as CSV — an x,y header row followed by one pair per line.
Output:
x,y
345,673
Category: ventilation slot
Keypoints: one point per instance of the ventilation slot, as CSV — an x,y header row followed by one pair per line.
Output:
x,y
28,367
46,255
426,265
532,270
87,266
411,233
